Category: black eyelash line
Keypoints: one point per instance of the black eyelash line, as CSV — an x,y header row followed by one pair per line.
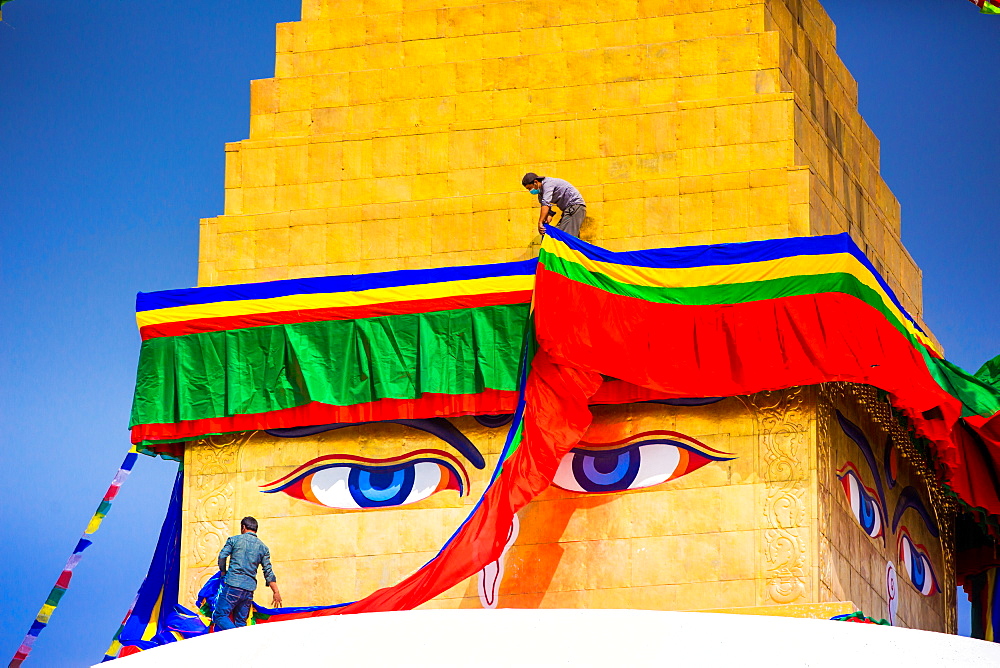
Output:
x,y
653,441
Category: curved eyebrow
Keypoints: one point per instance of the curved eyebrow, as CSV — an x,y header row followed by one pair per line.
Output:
x,y
854,433
439,427
909,498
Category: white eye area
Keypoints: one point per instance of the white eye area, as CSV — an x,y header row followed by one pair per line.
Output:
x,y
427,478
863,505
855,494
329,486
918,568
354,487
658,463
632,467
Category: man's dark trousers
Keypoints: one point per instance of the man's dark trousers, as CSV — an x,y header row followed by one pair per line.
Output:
x,y
232,601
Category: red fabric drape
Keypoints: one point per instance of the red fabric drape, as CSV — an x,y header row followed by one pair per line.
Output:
x,y
727,350
976,476
556,417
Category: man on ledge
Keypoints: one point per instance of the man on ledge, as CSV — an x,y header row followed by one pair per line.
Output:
x,y
246,552
561,193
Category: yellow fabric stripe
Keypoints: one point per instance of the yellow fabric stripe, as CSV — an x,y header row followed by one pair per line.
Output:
x,y
154,617
749,272
113,648
474,286
45,613
94,524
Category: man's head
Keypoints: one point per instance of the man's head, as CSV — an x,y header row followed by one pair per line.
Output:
x,y
532,181
248,524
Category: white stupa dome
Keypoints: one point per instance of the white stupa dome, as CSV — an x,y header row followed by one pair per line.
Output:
x,y
608,638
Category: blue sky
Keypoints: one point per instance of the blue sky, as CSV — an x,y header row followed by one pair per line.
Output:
x,y
114,116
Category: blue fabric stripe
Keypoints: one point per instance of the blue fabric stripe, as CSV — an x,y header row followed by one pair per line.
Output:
x,y
129,462
745,252
162,579
82,545
149,301
686,257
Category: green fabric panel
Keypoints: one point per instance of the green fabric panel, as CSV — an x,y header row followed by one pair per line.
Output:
x,y
990,372
977,397
336,362
730,293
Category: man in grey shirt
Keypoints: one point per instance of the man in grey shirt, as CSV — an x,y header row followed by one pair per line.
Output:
x,y
551,190
246,552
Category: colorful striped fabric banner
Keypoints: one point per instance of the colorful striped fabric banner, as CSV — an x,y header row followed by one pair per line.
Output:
x,y
733,319
706,321
736,274
62,584
334,349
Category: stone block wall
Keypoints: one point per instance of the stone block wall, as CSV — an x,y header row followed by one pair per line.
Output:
x,y
394,135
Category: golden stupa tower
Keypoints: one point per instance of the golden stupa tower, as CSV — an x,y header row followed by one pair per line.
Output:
x,y
394,136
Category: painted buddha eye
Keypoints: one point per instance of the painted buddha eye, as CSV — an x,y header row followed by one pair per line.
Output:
x,y
645,460
917,565
341,481
864,503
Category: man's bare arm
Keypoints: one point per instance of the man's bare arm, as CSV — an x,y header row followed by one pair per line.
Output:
x,y
276,600
544,216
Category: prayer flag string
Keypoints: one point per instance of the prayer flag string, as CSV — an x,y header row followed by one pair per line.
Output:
x,y
987,6
62,584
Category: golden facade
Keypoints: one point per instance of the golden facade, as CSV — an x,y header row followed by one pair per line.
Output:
x,y
771,527
394,136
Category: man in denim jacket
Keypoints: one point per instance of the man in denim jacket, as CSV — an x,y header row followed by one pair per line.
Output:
x,y
246,552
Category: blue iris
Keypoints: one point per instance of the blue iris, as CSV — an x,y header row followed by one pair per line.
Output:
x,y
608,471
867,514
375,488
918,573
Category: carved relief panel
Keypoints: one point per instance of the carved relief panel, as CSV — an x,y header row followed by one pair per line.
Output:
x,y
784,430
210,466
